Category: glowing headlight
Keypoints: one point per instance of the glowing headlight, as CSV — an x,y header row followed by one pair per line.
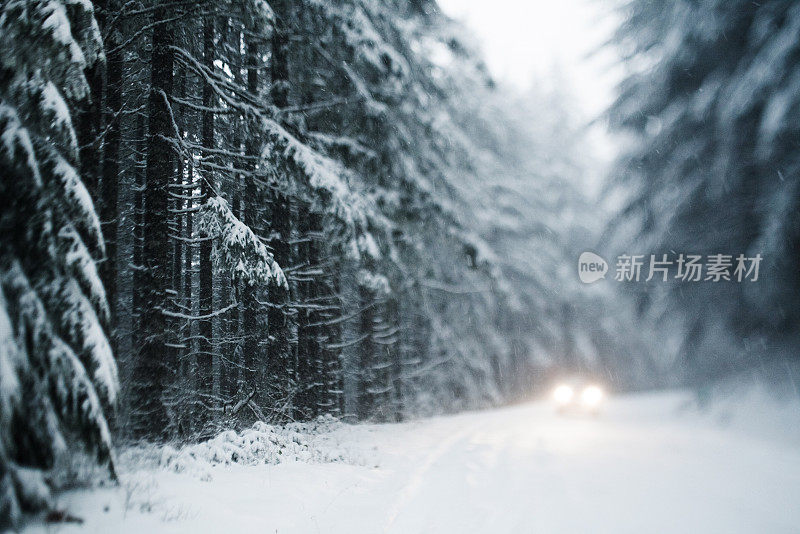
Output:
x,y
591,396
563,394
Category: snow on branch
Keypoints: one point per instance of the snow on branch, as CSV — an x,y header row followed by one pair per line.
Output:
x,y
331,188
375,282
324,176
238,248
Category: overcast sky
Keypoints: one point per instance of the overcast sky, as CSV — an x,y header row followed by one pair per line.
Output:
x,y
526,41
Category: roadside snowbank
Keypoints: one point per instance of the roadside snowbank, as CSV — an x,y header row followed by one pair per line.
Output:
x,y
261,444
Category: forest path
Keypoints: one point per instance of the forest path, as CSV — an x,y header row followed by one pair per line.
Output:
x,y
645,465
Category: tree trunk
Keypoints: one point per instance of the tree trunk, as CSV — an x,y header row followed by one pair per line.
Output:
x,y
280,364
366,380
138,232
252,322
205,356
230,368
110,171
396,362
150,417
309,365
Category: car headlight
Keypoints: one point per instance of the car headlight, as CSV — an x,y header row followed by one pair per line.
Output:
x,y
563,394
592,396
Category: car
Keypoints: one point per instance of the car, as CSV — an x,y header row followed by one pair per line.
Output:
x,y
578,396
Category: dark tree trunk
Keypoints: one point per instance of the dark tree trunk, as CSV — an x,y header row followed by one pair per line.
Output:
x,y
396,363
334,385
110,171
279,89
231,370
253,326
309,365
188,280
280,372
177,219
180,328
138,230
366,379
150,418
280,361
205,356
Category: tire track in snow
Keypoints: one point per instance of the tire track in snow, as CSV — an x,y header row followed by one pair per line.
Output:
x,y
416,479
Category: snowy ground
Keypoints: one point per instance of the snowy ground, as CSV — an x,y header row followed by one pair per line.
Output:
x,y
648,464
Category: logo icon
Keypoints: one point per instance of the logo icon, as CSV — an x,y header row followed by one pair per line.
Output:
x,y
591,267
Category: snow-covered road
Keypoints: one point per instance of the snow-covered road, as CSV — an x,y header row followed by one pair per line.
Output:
x,y
645,465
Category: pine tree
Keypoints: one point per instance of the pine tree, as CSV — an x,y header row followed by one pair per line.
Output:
x,y
57,371
714,170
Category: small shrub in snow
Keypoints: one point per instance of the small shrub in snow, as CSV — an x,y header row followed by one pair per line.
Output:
x,y
259,445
